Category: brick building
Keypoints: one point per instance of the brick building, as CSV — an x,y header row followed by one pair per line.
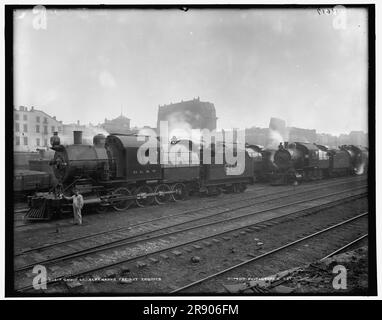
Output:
x,y
191,114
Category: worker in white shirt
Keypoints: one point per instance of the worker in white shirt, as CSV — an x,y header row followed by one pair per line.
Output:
x,y
78,203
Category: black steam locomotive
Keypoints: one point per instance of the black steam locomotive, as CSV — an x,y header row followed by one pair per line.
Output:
x,y
108,174
298,161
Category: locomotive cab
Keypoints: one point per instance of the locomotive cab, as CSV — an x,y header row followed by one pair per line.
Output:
x,y
255,153
123,159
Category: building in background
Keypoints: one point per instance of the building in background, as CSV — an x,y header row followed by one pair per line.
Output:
x,y
327,139
257,136
359,138
88,132
145,130
120,124
302,135
33,129
184,116
67,135
279,132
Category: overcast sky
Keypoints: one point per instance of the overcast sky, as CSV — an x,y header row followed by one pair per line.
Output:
x,y
252,64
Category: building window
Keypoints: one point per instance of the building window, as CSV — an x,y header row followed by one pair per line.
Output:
x,y
25,117
59,129
25,141
45,120
25,128
17,117
45,142
17,141
45,129
37,129
17,127
38,142
38,119
52,129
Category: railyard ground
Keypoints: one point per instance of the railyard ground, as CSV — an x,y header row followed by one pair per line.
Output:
x,y
313,278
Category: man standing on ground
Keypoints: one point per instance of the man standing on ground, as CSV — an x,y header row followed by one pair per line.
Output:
x,y
78,203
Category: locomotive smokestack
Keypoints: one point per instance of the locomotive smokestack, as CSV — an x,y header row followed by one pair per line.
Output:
x,y
77,137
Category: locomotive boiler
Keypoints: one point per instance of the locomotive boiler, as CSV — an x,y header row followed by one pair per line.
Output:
x,y
78,160
278,166
294,162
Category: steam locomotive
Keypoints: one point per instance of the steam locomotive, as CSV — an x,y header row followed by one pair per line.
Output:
x,y
298,161
108,174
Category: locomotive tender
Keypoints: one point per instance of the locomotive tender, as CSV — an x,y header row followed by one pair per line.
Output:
x,y
108,174
28,181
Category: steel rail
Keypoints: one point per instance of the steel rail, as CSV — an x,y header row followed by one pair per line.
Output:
x,y
39,248
121,242
332,182
177,246
136,238
345,247
266,254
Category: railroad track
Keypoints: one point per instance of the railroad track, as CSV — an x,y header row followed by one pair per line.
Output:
x,y
284,247
137,247
147,230
345,247
24,209
20,207
190,215
238,198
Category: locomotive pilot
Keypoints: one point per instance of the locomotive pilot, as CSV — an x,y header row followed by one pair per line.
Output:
x,y
78,203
